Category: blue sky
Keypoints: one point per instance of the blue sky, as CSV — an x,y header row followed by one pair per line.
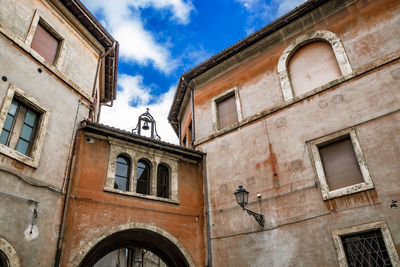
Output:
x,y
161,39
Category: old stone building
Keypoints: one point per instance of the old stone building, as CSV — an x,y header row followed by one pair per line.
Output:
x,y
58,65
304,114
137,194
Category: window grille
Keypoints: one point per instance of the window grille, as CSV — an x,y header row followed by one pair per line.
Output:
x,y
366,249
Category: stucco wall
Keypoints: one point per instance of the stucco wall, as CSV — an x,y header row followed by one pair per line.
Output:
x,y
79,56
94,211
256,75
269,152
65,90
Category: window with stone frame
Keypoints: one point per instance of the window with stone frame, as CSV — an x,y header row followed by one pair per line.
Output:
x,y
311,61
226,109
312,66
19,128
46,42
122,170
133,172
369,244
340,164
23,123
163,181
227,112
143,177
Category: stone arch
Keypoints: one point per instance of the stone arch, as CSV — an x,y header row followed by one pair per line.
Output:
x,y
327,36
10,253
83,256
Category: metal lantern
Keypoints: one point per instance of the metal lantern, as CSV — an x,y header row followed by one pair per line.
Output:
x,y
242,196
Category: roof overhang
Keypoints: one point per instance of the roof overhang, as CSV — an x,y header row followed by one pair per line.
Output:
x,y
233,50
100,129
111,46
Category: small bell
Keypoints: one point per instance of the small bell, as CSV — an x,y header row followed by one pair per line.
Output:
x,y
145,126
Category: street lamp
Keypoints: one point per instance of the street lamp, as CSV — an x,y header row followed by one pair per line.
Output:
x,y
242,197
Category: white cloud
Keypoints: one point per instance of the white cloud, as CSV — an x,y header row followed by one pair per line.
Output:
x,y
123,116
138,45
287,5
269,11
180,9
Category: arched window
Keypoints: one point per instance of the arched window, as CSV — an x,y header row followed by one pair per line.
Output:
x,y
312,66
310,61
162,181
121,180
143,177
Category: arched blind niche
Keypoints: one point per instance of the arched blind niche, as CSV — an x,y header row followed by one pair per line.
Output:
x,y
121,180
143,177
311,66
162,181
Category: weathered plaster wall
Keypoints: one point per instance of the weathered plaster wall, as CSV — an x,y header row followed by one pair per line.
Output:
x,y
79,56
16,215
57,97
93,211
65,89
269,153
257,79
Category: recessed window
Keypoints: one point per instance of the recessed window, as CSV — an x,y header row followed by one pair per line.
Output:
x,y
366,249
19,127
122,170
23,123
313,65
227,112
226,109
311,61
143,177
132,172
368,244
45,43
340,164
162,181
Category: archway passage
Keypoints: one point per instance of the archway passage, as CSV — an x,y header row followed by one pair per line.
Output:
x,y
154,242
3,260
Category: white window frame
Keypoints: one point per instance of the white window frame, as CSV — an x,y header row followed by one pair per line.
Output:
x,y
291,49
214,108
329,194
38,18
136,153
44,114
382,225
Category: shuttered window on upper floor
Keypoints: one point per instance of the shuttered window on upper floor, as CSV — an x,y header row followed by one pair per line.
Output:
x,y
340,164
311,66
227,111
45,43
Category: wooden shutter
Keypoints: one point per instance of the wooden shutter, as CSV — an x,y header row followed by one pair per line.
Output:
x,y
313,65
227,113
45,44
340,164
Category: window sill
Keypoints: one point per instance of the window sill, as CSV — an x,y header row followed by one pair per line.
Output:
x,y
44,63
134,194
18,156
347,190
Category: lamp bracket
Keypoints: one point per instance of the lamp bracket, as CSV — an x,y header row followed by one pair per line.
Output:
x,y
259,217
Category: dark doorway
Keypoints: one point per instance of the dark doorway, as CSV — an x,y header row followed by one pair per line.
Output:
x,y
159,245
